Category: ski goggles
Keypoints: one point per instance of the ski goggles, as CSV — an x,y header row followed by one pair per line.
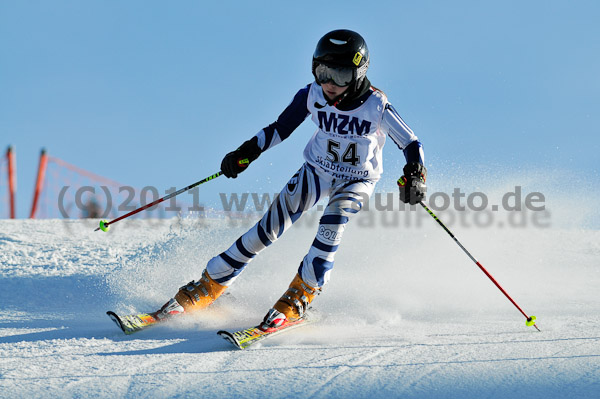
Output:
x,y
338,76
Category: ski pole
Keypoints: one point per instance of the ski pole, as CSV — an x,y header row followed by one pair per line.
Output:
x,y
104,225
530,319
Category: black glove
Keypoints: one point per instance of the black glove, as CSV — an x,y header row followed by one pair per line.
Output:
x,y
237,161
412,183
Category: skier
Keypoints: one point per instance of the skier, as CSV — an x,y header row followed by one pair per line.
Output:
x,y
343,162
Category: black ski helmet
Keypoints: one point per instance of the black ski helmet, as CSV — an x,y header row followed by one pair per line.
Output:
x,y
343,48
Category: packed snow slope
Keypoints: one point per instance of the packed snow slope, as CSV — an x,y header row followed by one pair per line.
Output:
x,y
405,315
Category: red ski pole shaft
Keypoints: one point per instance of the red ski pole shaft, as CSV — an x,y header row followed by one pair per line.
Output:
x,y
529,319
104,225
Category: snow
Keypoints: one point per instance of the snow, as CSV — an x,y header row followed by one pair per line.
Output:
x,y
413,318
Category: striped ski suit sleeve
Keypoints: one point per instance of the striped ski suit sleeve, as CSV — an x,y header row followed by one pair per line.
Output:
x,y
402,135
294,114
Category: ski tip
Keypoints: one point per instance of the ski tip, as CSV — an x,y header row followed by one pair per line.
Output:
x,y
114,317
226,335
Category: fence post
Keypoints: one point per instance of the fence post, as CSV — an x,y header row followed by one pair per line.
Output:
x,y
12,180
39,182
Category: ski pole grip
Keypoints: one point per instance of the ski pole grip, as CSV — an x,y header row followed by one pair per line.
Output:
x,y
243,163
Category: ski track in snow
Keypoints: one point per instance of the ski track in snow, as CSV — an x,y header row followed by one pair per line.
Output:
x,y
395,323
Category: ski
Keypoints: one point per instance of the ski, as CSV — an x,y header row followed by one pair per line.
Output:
x,y
133,322
245,338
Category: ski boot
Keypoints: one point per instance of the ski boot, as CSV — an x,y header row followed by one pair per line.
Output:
x,y
292,305
193,296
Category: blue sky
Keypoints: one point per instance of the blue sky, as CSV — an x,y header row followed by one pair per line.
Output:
x,y
156,93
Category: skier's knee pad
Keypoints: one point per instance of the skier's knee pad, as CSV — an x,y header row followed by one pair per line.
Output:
x,y
199,294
